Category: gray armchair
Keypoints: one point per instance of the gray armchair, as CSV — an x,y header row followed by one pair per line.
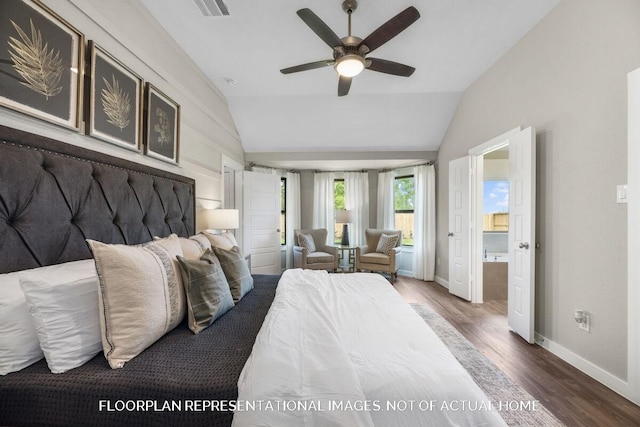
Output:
x,y
368,259
325,256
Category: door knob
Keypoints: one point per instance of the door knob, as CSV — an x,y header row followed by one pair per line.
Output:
x,y
524,245
450,234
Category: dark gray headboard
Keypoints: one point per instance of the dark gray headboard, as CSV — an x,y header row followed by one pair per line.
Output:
x,y
55,195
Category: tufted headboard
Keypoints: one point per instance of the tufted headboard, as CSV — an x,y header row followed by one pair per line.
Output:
x,y
55,195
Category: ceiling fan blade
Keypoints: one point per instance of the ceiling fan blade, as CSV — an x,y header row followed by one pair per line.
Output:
x,y
343,85
390,29
308,66
390,67
318,26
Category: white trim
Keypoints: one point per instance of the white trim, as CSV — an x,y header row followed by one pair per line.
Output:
x,y
238,168
633,238
406,273
609,380
442,282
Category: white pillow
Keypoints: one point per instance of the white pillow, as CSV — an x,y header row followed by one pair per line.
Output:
x,y
224,240
63,303
139,293
19,345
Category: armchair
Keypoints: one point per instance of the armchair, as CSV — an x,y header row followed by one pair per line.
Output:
x,y
325,257
367,258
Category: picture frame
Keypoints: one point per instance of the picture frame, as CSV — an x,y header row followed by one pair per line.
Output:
x,y
36,38
114,112
162,125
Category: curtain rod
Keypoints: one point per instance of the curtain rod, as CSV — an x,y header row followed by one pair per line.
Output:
x,y
429,163
252,164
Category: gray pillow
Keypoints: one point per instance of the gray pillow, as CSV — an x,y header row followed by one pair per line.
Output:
x,y
236,271
208,294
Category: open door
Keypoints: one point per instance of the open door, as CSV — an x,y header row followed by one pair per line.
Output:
x,y
262,222
522,179
459,249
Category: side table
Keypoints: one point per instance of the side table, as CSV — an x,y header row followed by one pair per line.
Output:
x,y
347,262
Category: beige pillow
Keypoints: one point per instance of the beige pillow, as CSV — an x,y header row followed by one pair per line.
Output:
x,y
306,241
386,243
224,240
194,246
141,296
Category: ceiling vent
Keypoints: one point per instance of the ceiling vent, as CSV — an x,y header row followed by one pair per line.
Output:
x,y
212,7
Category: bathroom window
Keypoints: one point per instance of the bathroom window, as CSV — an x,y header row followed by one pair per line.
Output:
x,y
496,206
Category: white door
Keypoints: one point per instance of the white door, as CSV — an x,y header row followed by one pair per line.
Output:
x,y
522,179
262,221
459,249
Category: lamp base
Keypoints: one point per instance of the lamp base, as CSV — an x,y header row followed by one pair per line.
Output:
x,y
345,235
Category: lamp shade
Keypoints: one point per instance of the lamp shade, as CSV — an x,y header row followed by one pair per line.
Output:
x,y
344,216
223,219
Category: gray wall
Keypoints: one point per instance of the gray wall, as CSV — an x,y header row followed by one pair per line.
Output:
x,y
568,78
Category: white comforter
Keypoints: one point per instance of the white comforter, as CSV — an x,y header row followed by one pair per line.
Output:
x,y
346,350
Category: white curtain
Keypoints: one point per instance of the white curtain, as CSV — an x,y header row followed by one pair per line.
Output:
x,y
293,212
356,199
323,210
424,210
386,204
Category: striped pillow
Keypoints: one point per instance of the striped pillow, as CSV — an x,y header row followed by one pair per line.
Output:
x,y
386,243
236,271
207,289
141,296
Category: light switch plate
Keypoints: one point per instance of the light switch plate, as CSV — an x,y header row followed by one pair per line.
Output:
x,y
621,194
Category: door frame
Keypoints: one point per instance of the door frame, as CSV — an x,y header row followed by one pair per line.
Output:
x,y
476,193
237,167
632,390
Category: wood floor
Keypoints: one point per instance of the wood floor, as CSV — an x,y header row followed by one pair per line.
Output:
x,y
575,398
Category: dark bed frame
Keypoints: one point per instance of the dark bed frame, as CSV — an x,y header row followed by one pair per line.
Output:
x,y
53,196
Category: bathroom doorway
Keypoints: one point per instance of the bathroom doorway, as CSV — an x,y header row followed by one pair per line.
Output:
x,y
520,144
495,226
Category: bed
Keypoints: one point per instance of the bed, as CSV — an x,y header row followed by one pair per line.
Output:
x,y
52,197
344,350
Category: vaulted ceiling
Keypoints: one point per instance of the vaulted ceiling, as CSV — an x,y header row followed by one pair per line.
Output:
x,y
452,44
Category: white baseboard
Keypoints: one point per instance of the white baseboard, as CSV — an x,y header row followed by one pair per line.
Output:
x,y
614,383
406,273
444,283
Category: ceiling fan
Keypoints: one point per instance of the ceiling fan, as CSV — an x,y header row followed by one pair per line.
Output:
x,y
349,53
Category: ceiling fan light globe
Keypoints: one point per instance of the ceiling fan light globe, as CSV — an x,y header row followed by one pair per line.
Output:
x,y
350,65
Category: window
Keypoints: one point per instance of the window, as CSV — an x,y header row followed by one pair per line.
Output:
x,y
496,206
283,211
404,196
338,204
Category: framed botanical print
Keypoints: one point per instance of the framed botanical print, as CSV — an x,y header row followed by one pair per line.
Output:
x,y
115,100
162,125
41,63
